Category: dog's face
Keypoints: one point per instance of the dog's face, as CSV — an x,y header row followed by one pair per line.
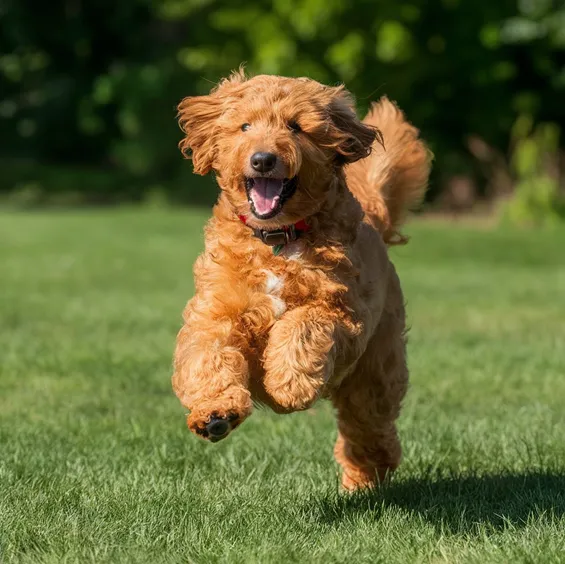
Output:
x,y
276,144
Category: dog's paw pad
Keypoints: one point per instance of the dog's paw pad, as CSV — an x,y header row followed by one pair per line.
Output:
x,y
218,428
214,425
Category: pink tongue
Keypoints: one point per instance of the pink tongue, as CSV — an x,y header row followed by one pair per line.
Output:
x,y
265,194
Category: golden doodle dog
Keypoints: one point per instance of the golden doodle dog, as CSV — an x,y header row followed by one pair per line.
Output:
x,y
296,298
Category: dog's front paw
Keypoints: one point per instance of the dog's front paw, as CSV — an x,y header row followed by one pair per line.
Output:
x,y
215,420
292,392
299,359
214,426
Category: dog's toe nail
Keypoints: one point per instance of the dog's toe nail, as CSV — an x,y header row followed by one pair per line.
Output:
x,y
217,427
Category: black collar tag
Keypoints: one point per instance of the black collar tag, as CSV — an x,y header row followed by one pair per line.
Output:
x,y
278,237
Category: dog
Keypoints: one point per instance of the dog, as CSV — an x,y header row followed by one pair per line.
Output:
x,y
296,298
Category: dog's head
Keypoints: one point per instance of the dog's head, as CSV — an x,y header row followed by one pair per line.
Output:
x,y
276,144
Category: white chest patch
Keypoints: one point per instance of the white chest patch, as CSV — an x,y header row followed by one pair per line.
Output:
x,y
293,250
273,288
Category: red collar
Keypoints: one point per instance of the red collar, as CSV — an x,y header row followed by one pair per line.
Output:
x,y
279,237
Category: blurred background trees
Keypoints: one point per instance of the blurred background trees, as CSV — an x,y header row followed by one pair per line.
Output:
x,y
88,89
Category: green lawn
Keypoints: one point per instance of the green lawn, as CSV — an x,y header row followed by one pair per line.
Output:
x,y
96,464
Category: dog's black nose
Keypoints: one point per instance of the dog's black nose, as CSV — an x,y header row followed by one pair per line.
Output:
x,y
263,162
217,427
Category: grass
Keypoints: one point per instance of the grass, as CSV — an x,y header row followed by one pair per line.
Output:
x,y
96,464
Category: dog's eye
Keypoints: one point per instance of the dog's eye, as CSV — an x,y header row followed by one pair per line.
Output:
x,y
245,127
293,126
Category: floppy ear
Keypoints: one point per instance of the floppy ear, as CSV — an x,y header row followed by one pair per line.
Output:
x,y
353,138
198,117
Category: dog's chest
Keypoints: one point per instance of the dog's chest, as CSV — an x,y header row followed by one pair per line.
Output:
x,y
294,282
293,250
273,286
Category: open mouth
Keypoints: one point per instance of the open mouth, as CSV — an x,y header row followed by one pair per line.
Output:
x,y
268,195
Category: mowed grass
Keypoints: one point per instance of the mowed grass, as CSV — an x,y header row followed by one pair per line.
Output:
x,y
96,464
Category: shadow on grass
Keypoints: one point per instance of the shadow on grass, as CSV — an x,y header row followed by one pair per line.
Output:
x,y
458,504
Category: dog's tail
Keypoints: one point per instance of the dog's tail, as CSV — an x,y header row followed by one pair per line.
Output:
x,y
394,177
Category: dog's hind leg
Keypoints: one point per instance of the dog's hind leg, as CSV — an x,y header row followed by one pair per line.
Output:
x,y
368,403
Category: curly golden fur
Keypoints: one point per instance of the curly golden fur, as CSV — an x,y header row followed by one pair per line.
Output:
x,y
324,318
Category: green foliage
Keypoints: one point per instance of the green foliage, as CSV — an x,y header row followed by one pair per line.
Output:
x,y
93,86
538,197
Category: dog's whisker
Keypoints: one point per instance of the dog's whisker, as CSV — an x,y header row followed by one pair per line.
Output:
x,y
303,188
373,92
